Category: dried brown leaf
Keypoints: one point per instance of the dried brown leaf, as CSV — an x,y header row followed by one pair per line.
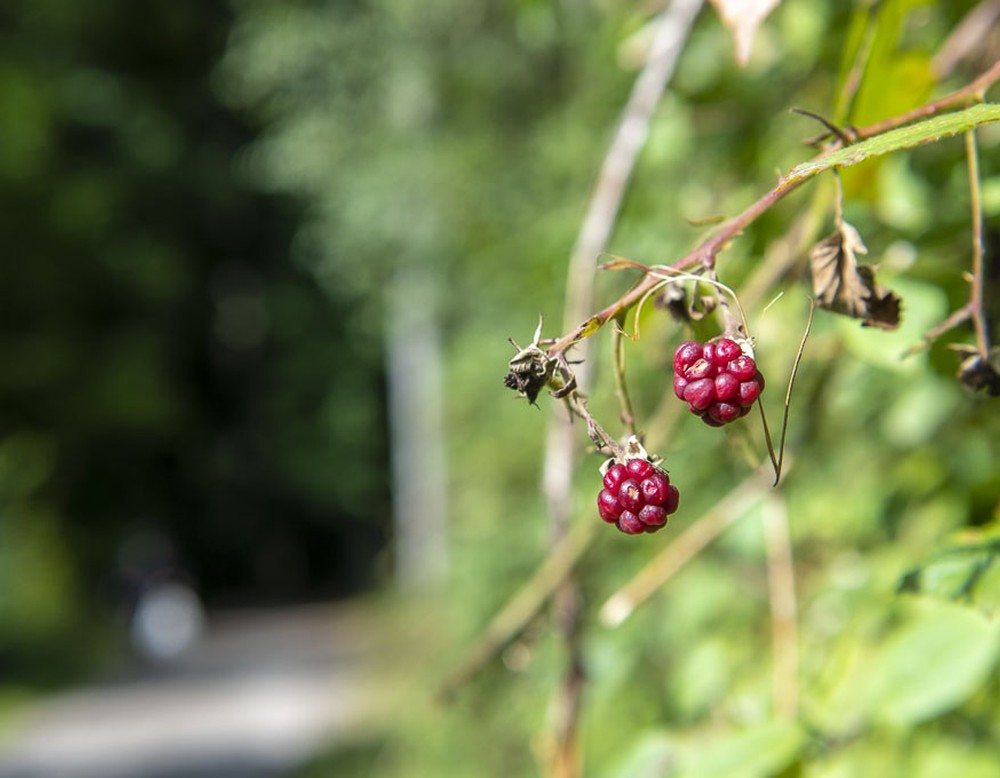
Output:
x,y
843,286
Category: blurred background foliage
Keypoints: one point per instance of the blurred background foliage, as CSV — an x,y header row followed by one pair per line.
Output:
x,y
206,209
172,382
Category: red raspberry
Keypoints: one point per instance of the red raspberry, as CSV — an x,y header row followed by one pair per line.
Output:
x,y
717,380
637,496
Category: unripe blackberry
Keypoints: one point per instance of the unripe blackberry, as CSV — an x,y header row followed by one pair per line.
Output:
x,y
637,496
716,379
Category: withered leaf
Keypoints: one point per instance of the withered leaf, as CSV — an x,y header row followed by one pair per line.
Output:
x,y
843,286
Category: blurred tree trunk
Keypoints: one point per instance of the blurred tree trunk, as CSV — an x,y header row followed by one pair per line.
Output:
x,y
419,478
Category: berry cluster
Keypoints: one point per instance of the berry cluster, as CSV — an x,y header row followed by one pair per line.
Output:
x,y
717,380
637,497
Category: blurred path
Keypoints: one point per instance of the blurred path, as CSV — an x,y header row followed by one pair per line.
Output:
x,y
261,692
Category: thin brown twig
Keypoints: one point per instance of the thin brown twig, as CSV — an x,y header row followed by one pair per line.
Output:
x,y
788,394
973,309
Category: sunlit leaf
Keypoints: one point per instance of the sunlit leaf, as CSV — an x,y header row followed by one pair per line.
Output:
x,y
908,137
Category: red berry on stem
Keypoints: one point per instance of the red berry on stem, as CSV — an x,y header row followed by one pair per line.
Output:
x,y
717,380
638,496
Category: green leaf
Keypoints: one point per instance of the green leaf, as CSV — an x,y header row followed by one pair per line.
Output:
x,y
967,572
650,757
932,664
763,750
927,131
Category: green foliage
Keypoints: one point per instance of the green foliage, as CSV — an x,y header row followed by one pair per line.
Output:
x,y
464,140
164,367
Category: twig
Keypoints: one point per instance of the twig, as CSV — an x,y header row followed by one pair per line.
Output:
x,y
973,309
784,619
788,397
577,403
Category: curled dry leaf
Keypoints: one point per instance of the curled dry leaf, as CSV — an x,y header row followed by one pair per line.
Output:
x,y
843,286
743,17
